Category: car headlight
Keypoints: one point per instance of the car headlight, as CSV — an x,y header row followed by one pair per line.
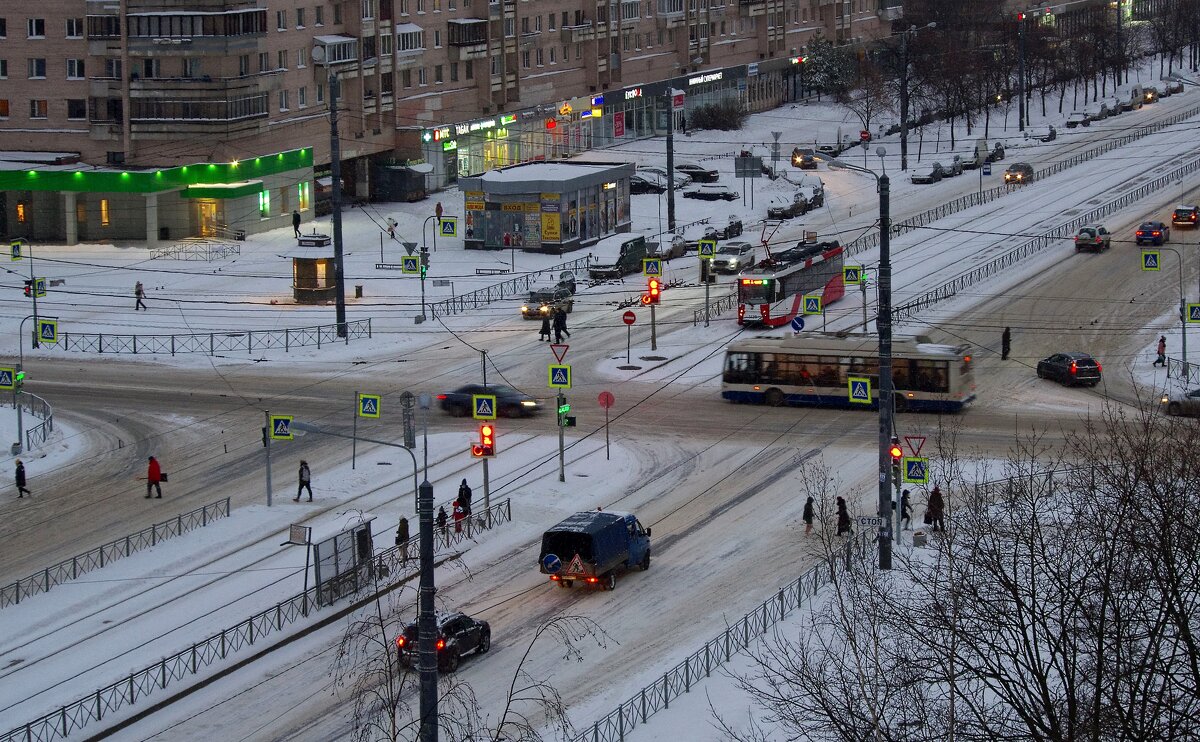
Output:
x,y
528,403
524,309
1165,399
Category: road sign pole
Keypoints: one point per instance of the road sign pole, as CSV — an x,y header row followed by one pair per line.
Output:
x,y
628,342
606,450
423,318
354,429
268,447
487,492
653,330
707,266
562,469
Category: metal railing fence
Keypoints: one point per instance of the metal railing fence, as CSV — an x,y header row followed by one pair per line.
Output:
x,y
211,343
41,409
1186,371
71,569
199,248
387,568
715,308
700,664
503,290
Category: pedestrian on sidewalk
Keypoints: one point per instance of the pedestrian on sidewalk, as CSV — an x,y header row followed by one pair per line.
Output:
x,y
1162,352
560,325
843,518
154,475
305,481
402,539
905,511
139,291
441,521
1005,344
458,516
808,516
937,510
21,489
296,222
464,496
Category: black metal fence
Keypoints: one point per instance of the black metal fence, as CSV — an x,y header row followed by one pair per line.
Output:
x,y
211,343
198,248
517,286
1185,371
715,308
41,409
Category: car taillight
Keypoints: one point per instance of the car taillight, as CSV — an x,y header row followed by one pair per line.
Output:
x,y
1074,368
441,644
401,641
592,579
441,396
1155,233
1098,369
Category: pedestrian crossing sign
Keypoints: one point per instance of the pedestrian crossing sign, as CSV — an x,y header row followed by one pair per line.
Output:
x,y
48,330
651,267
39,287
812,304
1193,313
707,248
410,265
368,405
915,470
560,376
1150,260
859,388
852,275
448,226
15,250
8,378
483,406
281,428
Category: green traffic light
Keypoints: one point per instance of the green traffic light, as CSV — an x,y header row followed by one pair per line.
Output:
x,y
564,409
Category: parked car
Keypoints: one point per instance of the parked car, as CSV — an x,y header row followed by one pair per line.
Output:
x,y
1070,369
1171,86
545,301
646,183
803,159
566,280
1078,118
509,402
1095,238
1097,111
666,249
733,257
932,174
681,180
1018,172
1043,133
1154,233
974,160
712,193
1149,94
1185,216
816,199
786,209
1113,105
697,173
457,634
997,153
954,168
1182,403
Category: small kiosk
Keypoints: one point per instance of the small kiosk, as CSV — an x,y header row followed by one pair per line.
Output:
x,y
313,270
550,207
343,558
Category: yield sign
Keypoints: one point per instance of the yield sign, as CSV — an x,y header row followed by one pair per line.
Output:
x,y
559,350
915,443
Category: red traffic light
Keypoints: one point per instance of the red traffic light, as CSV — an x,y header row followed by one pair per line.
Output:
x,y
646,299
895,451
486,447
653,292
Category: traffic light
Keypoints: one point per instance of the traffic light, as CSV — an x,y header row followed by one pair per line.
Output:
x,y
653,291
895,451
29,287
19,379
486,447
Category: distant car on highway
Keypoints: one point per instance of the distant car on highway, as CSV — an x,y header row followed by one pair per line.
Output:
x,y
1182,403
697,173
1095,238
457,634
733,257
509,401
1070,369
1018,172
712,193
1185,216
1154,233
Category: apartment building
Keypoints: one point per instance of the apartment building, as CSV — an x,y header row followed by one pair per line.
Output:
x,y
459,85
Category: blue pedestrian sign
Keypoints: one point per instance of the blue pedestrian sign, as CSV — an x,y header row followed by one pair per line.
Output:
x,y
812,304
15,250
1193,314
281,428
448,226
915,470
48,330
483,406
651,267
1150,260
39,287
368,405
410,264
859,388
852,275
8,378
707,248
560,376
797,324
552,564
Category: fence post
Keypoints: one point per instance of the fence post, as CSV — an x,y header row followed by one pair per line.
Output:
x,y
687,674
46,575
666,699
163,673
154,534
643,705
211,346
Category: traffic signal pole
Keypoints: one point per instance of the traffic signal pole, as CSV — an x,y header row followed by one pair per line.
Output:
x,y
654,329
487,495
562,465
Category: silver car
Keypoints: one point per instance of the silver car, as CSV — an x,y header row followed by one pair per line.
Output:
x,y
733,257
1182,403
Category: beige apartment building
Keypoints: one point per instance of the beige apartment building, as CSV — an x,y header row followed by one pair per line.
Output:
x,y
445,87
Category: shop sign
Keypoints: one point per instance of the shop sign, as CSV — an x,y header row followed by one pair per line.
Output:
x,y
609,186
707,77
551,197
450,146
435,135
497,134
507,119
597,100
752,69
631,94
565,109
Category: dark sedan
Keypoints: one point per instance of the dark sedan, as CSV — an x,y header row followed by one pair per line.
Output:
x,y
712,193
1070,369
641,184
1018,172
457,634
1154,233
698,174
509,402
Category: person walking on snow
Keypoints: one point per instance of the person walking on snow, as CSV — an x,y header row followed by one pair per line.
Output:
x,y
1005,344
905,511
140,292
458,516
544,333
808,516
296,222
560,325
937,510
1162,352
464,496
441,518
305,481
21,489
402,539
843,518
153,477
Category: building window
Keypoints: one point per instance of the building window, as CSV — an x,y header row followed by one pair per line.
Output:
x,y
76,109
36,28
403,7
21,211
37,69
319,15
300,62
38,109
552,55
299,17
421,77
540,58
302,97
454,72
537,23
3,69
303,195
510,28
550,21
387,83
74,28
3,108
191,68
320,93
411,41
283,100
281,58
406,78
112,69
264,61
470,69
264,200
437,6
452,5
368,9
281,20
495,65
437,74
150,68
525,60
75,69
3,28
420,6
385,45
337,14
244,65
437,39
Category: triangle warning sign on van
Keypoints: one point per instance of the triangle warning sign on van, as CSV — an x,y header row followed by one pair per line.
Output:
x,y
576,565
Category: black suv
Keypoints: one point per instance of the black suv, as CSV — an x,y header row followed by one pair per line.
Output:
x,y
1185,216
1070,369
1018,172
457,634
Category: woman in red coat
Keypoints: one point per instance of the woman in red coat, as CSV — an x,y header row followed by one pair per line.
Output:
x,y
459,514
153,477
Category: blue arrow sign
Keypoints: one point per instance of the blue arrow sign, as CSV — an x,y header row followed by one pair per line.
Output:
x,y
797,324
859,388
551,563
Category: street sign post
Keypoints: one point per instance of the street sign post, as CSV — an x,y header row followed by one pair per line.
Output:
x,y
606,400
483,406
628,318
1151,260
797,324
859,389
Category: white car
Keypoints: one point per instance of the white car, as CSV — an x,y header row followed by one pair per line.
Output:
x,y
733,257
1078,118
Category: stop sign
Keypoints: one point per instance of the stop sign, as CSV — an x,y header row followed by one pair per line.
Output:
x,y
606,399
629,318
864,136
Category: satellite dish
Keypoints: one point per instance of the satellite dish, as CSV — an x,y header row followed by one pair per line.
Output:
x,y
318,53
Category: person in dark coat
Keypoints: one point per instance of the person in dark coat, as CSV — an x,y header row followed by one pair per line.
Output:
x,y
305,478
464,496
905,511
1162,352
402,538
560,325
808,516
937,510
21,489
153,477
441,518
139,293
843,518
1005,344
296,222
544,333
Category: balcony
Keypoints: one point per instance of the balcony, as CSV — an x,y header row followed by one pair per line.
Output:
x,y
752,8
335,50
891,13
578,34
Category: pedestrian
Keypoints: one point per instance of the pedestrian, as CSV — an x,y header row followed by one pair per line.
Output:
x,y
391,228
140,292
808,516
545,331
154,475
296,222
441,518
1162,352
1005,344
843,518
683,123
937,510
905,511
402,538
464,496
305,477
458,516
560,325
21,489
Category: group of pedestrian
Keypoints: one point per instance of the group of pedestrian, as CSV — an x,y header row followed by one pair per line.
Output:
x,y
558,320
935,513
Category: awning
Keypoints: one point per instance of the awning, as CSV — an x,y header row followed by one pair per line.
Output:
x,y
326,182
408,28
466,21
333,39
421,167
223,190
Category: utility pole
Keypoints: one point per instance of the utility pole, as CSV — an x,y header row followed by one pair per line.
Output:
x,y
427,620
885,372
267,443
562,467
670,160
335,165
